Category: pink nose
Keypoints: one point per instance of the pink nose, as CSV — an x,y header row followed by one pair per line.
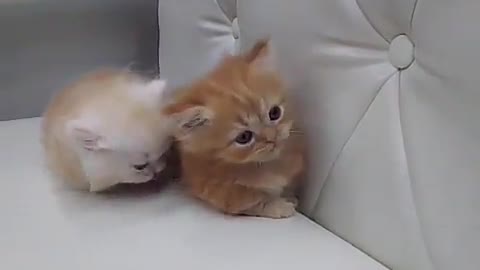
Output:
x,y
270,134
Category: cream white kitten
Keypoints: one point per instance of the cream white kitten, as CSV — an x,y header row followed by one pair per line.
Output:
x,y
106,129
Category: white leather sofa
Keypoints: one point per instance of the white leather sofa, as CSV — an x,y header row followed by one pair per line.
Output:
x,y
389,92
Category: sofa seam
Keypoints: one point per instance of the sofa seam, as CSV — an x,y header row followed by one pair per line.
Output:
x,y
230,21
224,13
350,244
412,15
370,22
339,154
159,3
409,175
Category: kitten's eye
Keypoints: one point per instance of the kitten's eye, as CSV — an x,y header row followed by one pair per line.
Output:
x,y
140,167
244,138
275,113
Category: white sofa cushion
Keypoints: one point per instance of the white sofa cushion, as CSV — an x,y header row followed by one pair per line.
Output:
x,y
46,227
392,121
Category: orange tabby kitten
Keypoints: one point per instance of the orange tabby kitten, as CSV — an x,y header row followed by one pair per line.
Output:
x,y
237,147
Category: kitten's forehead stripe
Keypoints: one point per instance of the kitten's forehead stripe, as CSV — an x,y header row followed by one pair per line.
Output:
x,y
236,93
239,125
240,95
217,86
239,90
263,106
242,121
252,119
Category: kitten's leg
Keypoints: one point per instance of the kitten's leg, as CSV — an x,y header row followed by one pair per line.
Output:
x,y
291,192
271,183
296,176
291,198
275,186
273,208
230,198
241,200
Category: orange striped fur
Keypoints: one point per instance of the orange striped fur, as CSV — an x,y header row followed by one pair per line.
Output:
x,y
238,96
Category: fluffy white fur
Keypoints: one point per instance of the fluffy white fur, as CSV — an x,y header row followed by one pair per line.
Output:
x,y
106,129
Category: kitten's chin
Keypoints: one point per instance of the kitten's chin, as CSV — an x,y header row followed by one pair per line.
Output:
x,y
269,156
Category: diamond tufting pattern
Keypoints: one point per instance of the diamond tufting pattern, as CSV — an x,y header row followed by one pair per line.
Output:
x,y
392,125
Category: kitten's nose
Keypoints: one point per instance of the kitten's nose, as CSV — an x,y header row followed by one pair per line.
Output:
x,y
270,135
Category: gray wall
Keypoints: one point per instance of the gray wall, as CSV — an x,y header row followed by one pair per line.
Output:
x,y
45,44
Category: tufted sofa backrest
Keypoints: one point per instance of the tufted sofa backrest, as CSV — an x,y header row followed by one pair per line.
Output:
x,y
390,94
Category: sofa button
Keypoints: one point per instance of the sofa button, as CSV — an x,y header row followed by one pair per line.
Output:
x,y
235,29
401,52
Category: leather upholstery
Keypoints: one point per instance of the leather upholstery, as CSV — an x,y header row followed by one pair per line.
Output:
x,y
47,227
393,125
45,43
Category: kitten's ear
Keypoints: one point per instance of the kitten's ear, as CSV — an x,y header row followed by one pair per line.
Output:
x,y
86,136
262,56
188,118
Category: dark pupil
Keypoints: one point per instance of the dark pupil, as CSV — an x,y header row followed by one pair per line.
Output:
x,y
244,137
275,113
140,167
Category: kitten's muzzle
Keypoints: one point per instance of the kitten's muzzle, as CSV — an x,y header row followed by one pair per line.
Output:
x,y
270,134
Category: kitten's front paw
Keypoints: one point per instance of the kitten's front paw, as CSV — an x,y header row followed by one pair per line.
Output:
x,y
279,208
293,200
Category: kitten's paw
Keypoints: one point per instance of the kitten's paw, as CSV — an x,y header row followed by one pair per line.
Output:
x,y
293,200
279,208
